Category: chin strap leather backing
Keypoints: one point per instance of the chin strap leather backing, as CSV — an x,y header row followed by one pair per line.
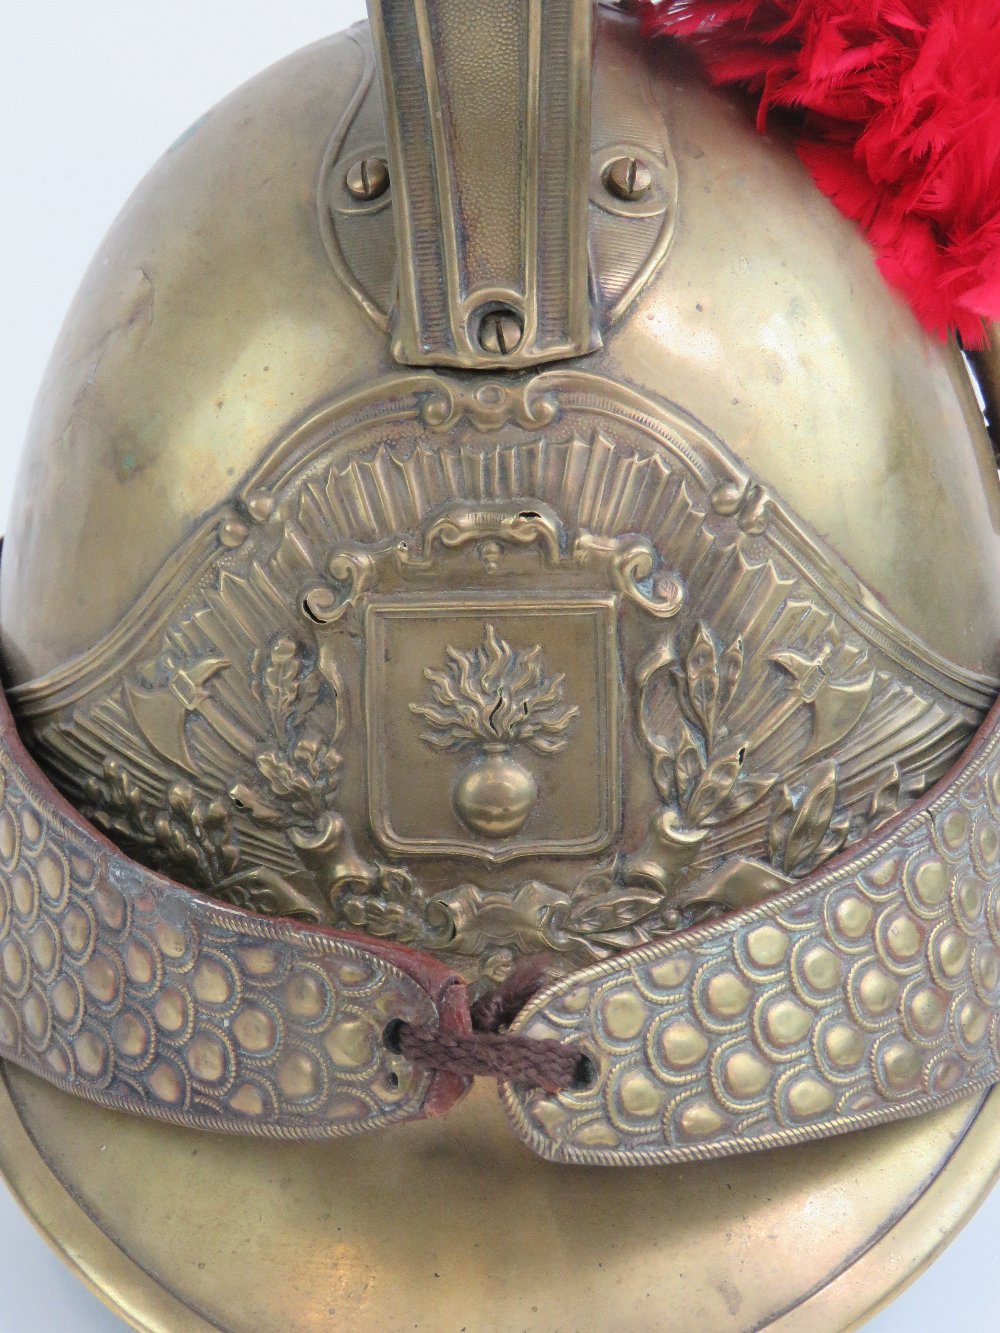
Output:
x,y
868,994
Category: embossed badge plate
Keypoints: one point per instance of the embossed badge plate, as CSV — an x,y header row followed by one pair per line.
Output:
x,y
501,671
515,759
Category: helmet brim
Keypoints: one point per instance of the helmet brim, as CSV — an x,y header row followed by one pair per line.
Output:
x,y
452,1224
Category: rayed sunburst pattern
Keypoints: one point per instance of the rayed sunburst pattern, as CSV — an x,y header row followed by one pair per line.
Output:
x,y
771,715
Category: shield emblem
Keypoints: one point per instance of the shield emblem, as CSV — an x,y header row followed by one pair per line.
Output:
x,y
493,728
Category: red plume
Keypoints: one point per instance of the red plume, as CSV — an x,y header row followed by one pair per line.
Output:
x,y
900,125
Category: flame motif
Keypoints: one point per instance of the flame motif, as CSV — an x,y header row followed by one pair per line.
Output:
x,y
496,695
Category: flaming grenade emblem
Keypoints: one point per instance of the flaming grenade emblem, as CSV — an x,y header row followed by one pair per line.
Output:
x,y
492,700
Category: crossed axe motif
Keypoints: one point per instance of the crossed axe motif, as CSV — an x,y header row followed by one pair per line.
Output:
x,y
837,705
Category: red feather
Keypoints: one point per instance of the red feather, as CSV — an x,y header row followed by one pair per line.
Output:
x,y
900,125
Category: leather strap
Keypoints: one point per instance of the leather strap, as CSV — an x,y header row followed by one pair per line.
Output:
x,y
868,994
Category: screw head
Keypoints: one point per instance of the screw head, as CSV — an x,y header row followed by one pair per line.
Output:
x,y
500,332
368,179
629,179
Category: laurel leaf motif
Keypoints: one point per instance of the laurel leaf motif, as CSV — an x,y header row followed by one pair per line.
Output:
x,y
812,819
730,674
702,671
716,784
613,911
747,793
689,764
665,776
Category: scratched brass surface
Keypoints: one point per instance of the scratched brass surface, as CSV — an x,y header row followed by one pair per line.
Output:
x,y
213,319
403,1231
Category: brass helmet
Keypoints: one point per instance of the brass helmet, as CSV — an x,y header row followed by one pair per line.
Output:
x,y
502,587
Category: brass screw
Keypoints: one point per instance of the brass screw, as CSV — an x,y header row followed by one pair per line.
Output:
x,y
501,332
629,179
368,179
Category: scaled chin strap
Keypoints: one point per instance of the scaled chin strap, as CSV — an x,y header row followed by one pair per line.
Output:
x,y
869,993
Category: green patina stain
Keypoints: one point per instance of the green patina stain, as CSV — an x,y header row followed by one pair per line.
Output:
x,y
189,133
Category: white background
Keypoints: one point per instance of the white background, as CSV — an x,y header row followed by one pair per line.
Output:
x,y
91,92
